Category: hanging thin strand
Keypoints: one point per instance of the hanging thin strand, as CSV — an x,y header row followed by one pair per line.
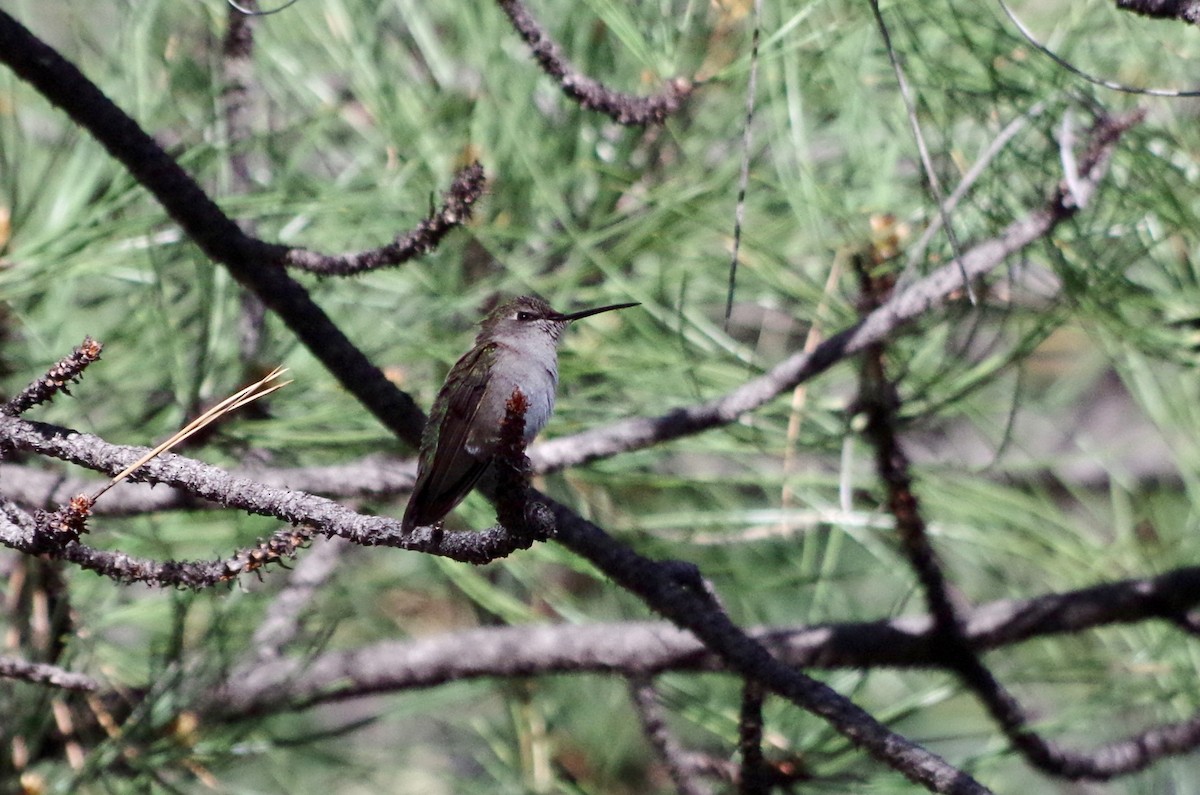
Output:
x,y
250,12
935,186
739,212
1075,70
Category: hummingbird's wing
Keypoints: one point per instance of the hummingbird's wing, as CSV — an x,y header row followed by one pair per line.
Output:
x,y
446,471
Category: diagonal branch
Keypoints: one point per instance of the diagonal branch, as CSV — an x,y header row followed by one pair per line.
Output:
x,y
254,263
910,305
687,603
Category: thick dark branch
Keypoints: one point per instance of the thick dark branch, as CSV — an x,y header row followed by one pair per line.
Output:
x,y
909,305
1186,10
592,94
684,600
637,648
457,204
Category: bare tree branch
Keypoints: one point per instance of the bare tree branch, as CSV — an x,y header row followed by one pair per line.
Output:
x,y
645,648
213,484
32,537
372,476
457,205
254,263
654,725
591,94
1185,10
68,369
45,674
911,304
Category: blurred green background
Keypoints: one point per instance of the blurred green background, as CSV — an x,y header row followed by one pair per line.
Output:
x,y
1054,427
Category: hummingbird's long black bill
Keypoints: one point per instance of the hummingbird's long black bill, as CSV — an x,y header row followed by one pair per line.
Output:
x,y
589,312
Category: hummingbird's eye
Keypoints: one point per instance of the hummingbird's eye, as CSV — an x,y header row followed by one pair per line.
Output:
x,y
525,316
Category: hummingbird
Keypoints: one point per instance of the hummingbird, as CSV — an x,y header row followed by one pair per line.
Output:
x,y
517,347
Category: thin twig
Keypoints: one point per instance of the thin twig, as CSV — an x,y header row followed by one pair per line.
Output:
x,y
654,725
68,369
739,213
458,203
591,94
243,396
914,123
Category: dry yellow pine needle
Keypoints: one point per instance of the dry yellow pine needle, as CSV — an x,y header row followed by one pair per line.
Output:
x,y
232,403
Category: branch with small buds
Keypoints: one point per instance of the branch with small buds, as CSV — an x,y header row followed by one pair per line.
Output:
x,y
68,370
591,94
457,205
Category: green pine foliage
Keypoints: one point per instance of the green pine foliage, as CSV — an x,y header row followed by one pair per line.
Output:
x,y
1053,427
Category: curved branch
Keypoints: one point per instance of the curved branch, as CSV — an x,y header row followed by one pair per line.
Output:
x,y
591,94
457,204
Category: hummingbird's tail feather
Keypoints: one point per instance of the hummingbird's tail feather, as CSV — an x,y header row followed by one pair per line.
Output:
x,y
432,499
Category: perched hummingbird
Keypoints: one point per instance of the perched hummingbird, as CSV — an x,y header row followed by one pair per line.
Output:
x,y
517,346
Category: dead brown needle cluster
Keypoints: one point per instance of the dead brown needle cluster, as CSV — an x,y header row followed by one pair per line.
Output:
x,y
232,403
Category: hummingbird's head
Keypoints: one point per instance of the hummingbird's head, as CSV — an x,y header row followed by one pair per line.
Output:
x,y
523,317
530,315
